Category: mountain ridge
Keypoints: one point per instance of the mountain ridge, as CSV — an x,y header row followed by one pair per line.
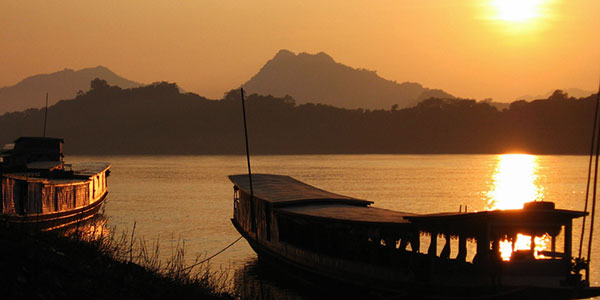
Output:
x,y
573,92
318,78
65,84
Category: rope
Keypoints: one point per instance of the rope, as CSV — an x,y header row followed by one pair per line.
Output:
x,y
214,255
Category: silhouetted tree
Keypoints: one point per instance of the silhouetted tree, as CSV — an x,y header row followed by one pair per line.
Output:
x,y
558,95
98,84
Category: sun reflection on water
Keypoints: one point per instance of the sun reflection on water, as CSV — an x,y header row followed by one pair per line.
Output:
x,y
514,184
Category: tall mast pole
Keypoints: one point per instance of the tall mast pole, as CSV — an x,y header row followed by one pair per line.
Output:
x,y
252,213
46,115
589,179
592,218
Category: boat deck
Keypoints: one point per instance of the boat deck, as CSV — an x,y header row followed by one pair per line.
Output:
x,y
81,172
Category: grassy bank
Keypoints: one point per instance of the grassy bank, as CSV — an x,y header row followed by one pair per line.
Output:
x,y
51,265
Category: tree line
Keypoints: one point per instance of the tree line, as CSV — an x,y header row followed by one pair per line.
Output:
x,y
159,119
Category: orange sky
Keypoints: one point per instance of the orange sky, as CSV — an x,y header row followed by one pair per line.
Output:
x,y
209,47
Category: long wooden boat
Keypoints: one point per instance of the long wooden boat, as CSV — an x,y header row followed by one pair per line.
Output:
x,y
348,242
40,191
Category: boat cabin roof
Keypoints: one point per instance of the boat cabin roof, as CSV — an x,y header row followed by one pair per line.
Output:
x,y
34,177
533,219
29,139
81,172
351,213
45,165
284,190
89,168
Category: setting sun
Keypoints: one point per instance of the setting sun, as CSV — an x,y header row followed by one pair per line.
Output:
x,y
517,10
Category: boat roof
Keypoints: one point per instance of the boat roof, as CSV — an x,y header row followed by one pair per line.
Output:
x,y
351,213
501,221
285,190
33,177
89,168
509,215
44,165
80,170
37,139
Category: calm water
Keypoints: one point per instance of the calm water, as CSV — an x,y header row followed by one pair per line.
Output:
x,y
190,197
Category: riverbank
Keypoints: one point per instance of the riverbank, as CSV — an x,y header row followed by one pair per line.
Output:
x,y
49,265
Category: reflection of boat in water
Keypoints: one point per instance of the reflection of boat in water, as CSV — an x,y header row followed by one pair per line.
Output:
x,y
261,281
40,191
344,240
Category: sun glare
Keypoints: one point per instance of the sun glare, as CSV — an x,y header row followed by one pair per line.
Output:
x,y
517,10
514,182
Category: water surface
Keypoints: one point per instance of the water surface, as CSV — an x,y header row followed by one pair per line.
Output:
x,y
190,197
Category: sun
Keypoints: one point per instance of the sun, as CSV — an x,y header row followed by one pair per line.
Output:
x,y
517,10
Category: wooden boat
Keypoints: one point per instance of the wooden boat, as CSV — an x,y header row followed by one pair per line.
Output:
x,y
344,240
40,191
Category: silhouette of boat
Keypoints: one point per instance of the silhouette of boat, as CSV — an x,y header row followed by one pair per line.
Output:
x,y
40,191
345,242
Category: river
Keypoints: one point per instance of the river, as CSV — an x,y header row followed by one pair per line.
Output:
x,y
189,198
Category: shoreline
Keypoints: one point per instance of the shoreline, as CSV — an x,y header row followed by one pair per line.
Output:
x,y
47,265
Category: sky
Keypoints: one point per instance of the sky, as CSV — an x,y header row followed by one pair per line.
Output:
x,y
500,49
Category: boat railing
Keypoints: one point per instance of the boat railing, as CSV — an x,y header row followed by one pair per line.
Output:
x,y
236,200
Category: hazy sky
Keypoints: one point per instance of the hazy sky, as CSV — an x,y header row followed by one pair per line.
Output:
x,y
470,48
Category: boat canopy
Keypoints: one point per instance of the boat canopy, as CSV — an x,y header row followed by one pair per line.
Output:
x,y
89,168
282,190
529,220
349,213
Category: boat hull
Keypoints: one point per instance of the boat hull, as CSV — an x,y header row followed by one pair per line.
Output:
x,y
402,289
54,220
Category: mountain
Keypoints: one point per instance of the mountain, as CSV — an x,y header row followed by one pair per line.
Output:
x,y
572,92
317,78
30,93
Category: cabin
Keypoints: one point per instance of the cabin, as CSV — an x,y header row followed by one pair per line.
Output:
x,y
32,191
26,150
489,229
345,238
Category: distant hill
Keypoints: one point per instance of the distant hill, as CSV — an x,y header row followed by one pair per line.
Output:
x,y
30,93
319,79
159,119
572,92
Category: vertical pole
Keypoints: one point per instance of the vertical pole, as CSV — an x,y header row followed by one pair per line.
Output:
x,y
446,250
462,248
46,115
587,189
568,241
415,242
252,208
592,217
553,246
433,244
